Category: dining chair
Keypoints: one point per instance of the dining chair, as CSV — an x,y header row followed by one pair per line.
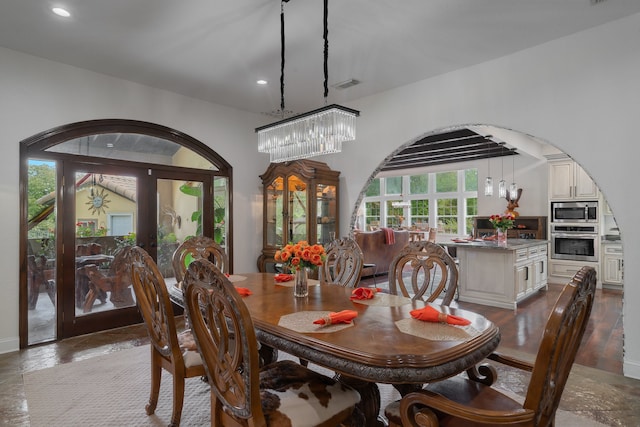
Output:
x,y
465,402
343,263
424,270
173,352
195,248
243,394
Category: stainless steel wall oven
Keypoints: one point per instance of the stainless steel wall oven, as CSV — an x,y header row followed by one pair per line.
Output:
x,y
578,242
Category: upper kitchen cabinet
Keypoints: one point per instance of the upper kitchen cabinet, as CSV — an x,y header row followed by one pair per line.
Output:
x,y
568,181
300,203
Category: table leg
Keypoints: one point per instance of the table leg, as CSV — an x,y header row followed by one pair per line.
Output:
x,y
369,404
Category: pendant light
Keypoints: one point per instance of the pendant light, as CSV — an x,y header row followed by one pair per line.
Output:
x,y
513,188
488,182
317,132
502,185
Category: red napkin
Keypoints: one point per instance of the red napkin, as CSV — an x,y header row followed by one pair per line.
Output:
x,y
243,291
344,316
430,314
364,293
283,277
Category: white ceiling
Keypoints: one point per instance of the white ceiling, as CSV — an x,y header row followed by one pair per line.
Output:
x,y
216,50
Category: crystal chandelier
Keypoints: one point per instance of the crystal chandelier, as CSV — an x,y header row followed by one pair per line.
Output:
x,y
321,131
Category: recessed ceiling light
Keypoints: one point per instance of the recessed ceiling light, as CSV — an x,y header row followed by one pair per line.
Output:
x,y
61,12
261,82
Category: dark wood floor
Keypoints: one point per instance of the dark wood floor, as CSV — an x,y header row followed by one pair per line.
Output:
x,y
521,329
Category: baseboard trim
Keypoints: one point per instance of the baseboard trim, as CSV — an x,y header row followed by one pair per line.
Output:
x,y
9,345
631,369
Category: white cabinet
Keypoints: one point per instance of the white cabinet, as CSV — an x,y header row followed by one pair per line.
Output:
x,y
561,271
612,264
502,277
531,270
568,181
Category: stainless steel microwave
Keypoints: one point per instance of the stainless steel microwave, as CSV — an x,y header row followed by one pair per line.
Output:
x,y
574,211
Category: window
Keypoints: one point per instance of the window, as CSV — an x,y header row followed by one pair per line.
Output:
x,y
394,185
447,200
419,184
372,216
374,188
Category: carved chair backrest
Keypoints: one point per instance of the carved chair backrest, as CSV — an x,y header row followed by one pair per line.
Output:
x,y
560,341
152,298
343,265
226,339
423,270
198,247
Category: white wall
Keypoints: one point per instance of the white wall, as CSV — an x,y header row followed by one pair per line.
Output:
x,y
579,93
38,95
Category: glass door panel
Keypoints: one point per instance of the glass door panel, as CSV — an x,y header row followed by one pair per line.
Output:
x,y
180,214
326,210
105,212
274,213
41,251
297,209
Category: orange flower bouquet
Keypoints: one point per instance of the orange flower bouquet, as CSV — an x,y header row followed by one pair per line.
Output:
x,y
301,255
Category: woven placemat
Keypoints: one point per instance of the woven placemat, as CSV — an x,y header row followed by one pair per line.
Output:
x,y
302,321
385,300
291,283
436,331
236,278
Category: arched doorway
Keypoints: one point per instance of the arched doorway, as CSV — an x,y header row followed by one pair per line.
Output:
x,y
89,188
610,267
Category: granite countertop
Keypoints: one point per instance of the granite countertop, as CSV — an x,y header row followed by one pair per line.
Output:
x,y
512,244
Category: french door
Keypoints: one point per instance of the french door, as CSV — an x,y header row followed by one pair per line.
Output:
x,y
107,208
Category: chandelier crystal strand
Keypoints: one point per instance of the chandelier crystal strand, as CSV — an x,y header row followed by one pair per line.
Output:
x,y
513,188
502,185
317,132
488,182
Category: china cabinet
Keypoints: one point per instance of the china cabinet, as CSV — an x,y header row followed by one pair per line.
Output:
x,y
300,202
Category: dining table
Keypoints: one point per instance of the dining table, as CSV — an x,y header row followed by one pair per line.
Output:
x,y
382,344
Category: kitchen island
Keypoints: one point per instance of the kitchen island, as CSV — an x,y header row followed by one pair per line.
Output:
x,y
500,276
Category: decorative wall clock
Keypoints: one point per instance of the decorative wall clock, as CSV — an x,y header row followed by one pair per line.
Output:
x,y
98,201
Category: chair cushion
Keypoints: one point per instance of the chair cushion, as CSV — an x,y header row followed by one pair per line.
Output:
x,y
190,353
292,393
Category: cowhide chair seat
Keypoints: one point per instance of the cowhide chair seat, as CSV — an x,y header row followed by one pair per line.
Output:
x,y
281,394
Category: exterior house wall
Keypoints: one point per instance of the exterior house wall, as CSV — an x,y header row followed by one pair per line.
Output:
x,y
579,93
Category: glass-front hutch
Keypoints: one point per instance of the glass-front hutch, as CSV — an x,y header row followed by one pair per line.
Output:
x,y
300,203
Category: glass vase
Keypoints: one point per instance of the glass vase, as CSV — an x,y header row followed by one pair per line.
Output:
x,y
301,287
501,236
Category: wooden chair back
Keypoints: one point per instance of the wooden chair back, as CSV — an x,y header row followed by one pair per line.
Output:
x,y
155,307
224,333
424,270
198,247
152,298
560,342
344,262
457,401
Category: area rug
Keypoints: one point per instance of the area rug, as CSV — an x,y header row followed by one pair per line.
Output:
x,y
113,389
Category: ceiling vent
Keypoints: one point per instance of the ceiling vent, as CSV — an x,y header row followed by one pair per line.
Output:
x,y
346,84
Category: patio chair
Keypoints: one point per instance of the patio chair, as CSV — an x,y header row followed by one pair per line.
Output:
x,y
173,352
464,402
242,394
